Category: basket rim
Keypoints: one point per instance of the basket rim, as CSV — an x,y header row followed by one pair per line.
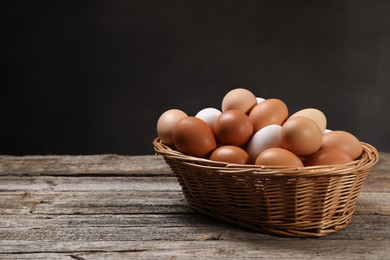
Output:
x,y
369,158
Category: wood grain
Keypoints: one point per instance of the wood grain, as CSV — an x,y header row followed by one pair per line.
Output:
x,y
109,164
118,207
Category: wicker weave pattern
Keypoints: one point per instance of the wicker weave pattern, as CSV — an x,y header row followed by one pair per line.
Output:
x,y
303,202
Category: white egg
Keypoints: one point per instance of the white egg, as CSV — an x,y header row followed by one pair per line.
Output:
x,y
259,99
209,115
327,131
267,137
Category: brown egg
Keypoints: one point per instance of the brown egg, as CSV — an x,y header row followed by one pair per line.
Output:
x,y
301,135
230,154
278,157
166,122
193,136
239,99
314,114
343,141
329,156
269,112
233,127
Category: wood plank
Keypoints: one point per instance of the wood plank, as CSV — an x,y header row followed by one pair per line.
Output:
x,y
377,184
88,183
98,202
108,164
115,183
130,202
173,227
92,183
111,165
210,249
373,204
33,221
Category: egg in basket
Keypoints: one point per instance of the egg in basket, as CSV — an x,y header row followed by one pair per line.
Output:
x,y
252,164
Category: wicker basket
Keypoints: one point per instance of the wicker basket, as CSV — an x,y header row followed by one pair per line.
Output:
x,y
301,202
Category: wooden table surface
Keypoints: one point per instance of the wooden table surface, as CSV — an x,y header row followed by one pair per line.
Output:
x,y
118,207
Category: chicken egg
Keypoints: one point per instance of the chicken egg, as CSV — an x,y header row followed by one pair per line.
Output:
x,y
278,157
343,141
259,99
301,135
328,156
239,99
166,122
269,112
193,136
314,114
233,127
265,138
209,115
230,154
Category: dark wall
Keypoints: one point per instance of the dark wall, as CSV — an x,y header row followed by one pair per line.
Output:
x,y
83,77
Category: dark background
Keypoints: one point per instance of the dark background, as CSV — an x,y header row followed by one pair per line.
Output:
x,y
89,77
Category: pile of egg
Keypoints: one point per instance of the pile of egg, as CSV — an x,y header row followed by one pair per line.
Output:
x,y
252,130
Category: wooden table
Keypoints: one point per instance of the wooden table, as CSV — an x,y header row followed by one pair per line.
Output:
x,y
118,207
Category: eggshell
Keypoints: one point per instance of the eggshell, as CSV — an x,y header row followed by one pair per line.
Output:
x,y
269,112
327,131
278,157
230,154
314,114
192,136
166,122
265,138
233,127
329,156
343,141
301,135
209,115
239,99
259,99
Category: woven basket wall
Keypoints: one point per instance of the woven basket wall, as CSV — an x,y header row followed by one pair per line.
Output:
x,y
302,202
